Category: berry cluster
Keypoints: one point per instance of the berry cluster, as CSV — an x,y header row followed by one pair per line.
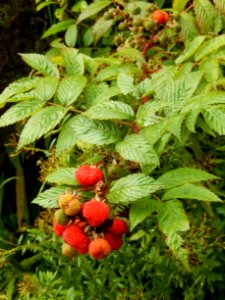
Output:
x,y
86,226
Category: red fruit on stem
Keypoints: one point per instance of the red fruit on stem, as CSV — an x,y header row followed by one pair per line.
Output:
x,y
118,227
95,212
160,16
58,228
114,240
88,175
75,236
99,248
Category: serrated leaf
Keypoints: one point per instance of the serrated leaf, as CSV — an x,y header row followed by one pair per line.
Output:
x,y
210,69
73,61
71,35
191,120
95,132
125,83
188,25
130,53
181,176
179,5
41,123
191,191
102,97
90,65
55,28
49,198
110,110
41,63
131,188
145,87
46,88
220,4
174,125
193,46
20,111
210,46
70,88
215,118
66,139
92,9
62,176
153,133
205,15
135,148
142,209
101,27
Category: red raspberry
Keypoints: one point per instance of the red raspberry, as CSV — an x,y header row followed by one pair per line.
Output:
x,y
114,240
95,212
88,175
160,16
58,228
99,248
119,227
75,236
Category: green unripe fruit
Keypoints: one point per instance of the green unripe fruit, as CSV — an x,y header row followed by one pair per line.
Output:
x,y
60,217
117,39
148,24
112,11
68,251
122,26
107,15
151,7
135,10
137,21
176,15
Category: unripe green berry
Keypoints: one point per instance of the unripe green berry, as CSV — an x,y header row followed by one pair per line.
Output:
x,y
135,10
137,21
148,24
107,15
60,217
122,26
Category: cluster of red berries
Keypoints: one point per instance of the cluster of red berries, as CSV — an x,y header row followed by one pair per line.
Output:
x,y
86,227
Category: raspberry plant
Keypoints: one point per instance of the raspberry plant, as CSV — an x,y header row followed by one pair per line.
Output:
x,y
134,95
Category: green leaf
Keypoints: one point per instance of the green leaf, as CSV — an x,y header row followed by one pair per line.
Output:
x,y
191,191
92,9
70,88
101,27
106,95
210,46
188,25
49,198
62,176
181,176
44,4
210,69
131,188
41,63
66,139
205,14
130,53
73,61
153,133
46,88
179,5
215,118
95,132
110,110
142,209
20,111
41,123
220,4
125,83
71,35
135,148
174,125
55,28
191,120
193,46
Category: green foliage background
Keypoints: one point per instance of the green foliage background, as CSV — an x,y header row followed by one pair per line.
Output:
x,y
147,101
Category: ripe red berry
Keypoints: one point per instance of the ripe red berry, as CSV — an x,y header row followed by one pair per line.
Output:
x,y
119,227
160,16
95,212
99,248
58,228
88,175
114,240
75,236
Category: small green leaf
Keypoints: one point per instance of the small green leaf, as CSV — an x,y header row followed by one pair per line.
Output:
x,y
142,209
180,176
41,63
130,53
130,188
125,83
210,69
70,88
46,88
189,29
20,111
73,61
55,28
66,139
101,27
49,198
205,14
44,4
110,110
179,5
71,35
210,46
41,123
92,9
191,191
135,148
62,176
191,120
215,118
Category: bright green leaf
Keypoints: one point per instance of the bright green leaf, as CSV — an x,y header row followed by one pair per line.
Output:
x,y
49,198
125,83
73,61
60,26
66,139
92,9
46,88
71,35
62,176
